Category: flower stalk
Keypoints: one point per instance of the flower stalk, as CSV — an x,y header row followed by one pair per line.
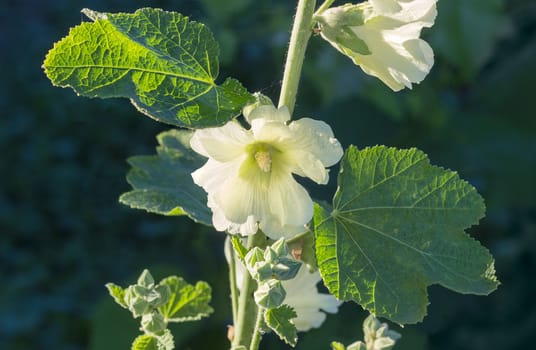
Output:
x,y
257,330
247,309
301,32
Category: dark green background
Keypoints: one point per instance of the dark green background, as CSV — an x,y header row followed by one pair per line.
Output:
x,y
63,234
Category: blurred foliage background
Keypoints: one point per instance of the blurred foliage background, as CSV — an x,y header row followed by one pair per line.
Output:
x,y
63,234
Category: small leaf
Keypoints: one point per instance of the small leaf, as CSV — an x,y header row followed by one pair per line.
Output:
x,y
145,342
279,321
118,293
163,62
239,247
163,184
186,302
153,342
397,227
337,346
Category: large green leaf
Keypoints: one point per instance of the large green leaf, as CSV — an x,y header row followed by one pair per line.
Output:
x,y
186,302
397,227
165,64
163,184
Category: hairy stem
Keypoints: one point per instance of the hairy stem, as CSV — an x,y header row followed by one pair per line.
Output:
x,y
247,309
257,330
301,32
232,280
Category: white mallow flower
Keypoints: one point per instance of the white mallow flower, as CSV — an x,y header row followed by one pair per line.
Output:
x,y
249,173
383,38
301,294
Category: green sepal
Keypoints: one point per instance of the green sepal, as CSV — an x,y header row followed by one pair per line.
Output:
x,y
186,302
397,226
162,184
279,320
118,293
163,62
349,40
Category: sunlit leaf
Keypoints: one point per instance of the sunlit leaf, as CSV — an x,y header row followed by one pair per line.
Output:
x,y
397,227
163,62
118,293
186,302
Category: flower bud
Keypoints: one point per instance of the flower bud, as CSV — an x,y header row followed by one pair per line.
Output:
x,y
270,294
146,279
153,323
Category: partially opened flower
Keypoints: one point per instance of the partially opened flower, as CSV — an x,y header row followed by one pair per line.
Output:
x,y
249,173
382,37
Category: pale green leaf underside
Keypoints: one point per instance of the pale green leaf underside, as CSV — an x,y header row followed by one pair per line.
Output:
x,y
397,227
163,184
186,302
165,64
279,321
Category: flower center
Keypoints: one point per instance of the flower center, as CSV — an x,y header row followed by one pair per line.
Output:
x,y
264,160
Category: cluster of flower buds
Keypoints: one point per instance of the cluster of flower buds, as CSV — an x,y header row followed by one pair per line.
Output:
x,y
145,297
269,268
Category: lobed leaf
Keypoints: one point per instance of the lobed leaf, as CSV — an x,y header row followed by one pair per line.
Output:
x,y
186,302
163,62
279,320
162,184
397,226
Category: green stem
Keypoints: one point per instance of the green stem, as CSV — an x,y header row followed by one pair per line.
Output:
x,y
247,309
301,32
257,330
324,6
232,281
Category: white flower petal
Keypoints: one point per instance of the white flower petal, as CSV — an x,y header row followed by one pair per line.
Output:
x,y
316,137
222,144
240,198
307,319
303,296
312,149
406,10
268,112
205,176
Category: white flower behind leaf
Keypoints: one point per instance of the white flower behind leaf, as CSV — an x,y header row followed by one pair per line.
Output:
x,y
301,294
383,38
249,173
310,305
